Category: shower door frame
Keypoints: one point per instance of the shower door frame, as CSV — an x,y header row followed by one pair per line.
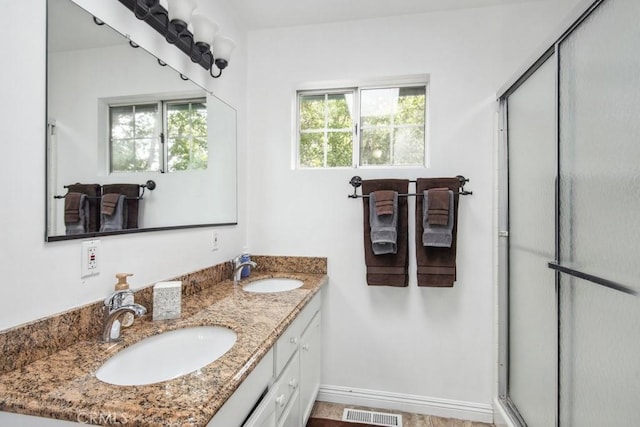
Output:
x,y
552,52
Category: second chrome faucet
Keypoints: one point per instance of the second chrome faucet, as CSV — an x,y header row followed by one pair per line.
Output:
x,y
238,266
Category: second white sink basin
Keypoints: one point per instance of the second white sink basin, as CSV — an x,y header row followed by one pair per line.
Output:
x,y
167,355
272,285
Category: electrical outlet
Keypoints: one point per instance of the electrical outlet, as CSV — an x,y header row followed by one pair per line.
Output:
x,y
216,241
90,258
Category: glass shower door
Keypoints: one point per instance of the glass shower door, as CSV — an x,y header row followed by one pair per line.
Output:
x,y
532,337
600,218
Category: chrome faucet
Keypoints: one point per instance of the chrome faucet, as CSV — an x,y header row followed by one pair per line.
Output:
x,y
238,266
110,318
114,308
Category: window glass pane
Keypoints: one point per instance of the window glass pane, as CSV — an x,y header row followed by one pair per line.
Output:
x,y
312,113
134,144
411,106
378,106
135,155
187,136
122,155
311,150
375,146
339,111
145,121
393,126
408,146
326,130
122,122
339,149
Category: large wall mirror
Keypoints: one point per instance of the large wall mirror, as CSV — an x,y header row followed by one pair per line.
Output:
x,y
120,123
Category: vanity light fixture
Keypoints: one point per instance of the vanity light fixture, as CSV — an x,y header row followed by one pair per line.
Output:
x,y
204,45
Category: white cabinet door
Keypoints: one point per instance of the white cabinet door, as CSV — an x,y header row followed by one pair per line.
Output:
x,y
239,405
265,414
310,363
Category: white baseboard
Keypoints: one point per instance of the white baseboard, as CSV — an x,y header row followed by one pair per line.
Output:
x,y
407,403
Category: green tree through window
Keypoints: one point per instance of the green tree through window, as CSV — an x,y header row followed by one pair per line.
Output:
x,y
392,122
187,136
326,130
137,133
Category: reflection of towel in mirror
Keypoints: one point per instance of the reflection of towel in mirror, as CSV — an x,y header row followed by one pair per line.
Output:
x,y
384,228
131,191
113,208
76,213
93,192
437,235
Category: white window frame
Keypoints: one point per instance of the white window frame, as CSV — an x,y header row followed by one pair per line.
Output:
x,y
104,125
355,87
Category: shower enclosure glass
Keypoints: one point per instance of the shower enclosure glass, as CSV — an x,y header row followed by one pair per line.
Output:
x,y
532,307
571,148
599,208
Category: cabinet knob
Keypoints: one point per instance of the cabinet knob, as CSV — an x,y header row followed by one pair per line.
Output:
x,y
280,400
306,347
293,340
293,384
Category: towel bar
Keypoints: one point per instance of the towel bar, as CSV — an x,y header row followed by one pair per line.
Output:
x,y
150,184
356,182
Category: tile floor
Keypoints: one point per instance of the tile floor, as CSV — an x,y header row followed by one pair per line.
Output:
x,y
334,411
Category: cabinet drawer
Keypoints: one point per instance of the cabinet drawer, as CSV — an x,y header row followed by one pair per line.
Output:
x,y
291,415
287,384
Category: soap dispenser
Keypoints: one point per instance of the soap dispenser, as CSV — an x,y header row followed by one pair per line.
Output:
x,y
127,298
245,257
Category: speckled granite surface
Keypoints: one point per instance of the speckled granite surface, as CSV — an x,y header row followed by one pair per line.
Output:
x,y
62,383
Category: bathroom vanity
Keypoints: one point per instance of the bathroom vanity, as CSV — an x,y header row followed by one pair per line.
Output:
x,y
269,377
288,376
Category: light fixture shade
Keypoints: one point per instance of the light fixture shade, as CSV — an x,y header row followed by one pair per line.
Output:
x,y
204,29
181,10
222,48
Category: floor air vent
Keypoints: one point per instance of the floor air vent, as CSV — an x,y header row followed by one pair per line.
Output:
x,y
369,417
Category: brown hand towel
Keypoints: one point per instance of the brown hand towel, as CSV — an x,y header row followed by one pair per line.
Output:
x,y
72,208
387,269
438,213
384,202
436,265
93,192
109,203
132,192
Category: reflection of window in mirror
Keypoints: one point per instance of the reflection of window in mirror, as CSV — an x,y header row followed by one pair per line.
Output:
x,y
164,136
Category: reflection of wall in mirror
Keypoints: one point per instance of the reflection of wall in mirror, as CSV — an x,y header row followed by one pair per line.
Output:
x,y
79,80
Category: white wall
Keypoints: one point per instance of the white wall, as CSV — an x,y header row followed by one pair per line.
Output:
x,y
39,278
423,349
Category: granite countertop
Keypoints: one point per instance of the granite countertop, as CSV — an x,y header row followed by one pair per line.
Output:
x,y
63,385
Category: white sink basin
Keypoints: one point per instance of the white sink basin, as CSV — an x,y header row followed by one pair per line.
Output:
x,y
272,285
167,355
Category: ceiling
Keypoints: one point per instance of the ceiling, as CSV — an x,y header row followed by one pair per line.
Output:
x,y
257,14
